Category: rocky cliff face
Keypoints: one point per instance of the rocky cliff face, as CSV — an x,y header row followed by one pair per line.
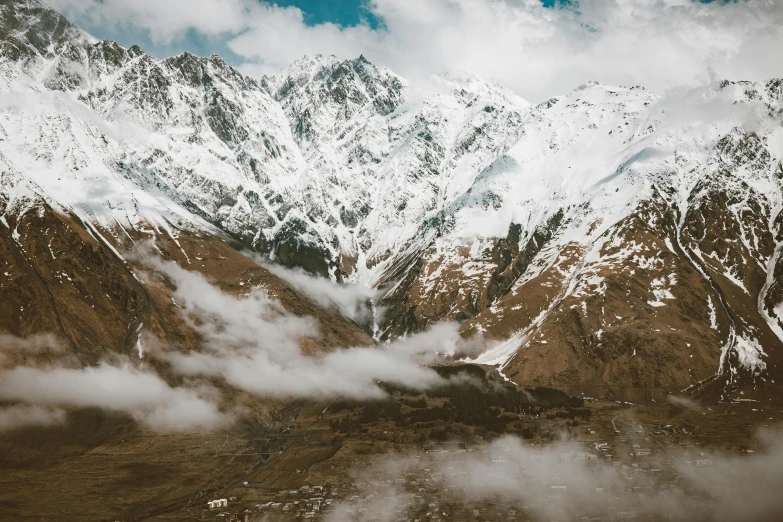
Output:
x,y
609,241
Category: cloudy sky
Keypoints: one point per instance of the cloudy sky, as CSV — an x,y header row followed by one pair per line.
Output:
x,y
539,48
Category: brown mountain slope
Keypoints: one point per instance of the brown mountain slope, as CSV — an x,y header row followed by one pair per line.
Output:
x,y
60,277
684,288
64,278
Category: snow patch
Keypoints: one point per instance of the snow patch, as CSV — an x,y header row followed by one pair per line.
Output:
x,y
713,314
659,289
749,354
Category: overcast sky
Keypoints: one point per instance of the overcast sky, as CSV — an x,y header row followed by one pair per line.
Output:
x,y
536,49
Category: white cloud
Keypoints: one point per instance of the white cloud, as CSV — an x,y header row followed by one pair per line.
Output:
x,y
24,416
42,349
253,343
507,471
538,52
37,344
165,20
684,402
351,300
143,395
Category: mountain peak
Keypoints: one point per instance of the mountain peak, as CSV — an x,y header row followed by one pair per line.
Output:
x,y
354,82
309,64
29,28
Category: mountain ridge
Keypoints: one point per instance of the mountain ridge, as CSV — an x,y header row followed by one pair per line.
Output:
x,y
609,241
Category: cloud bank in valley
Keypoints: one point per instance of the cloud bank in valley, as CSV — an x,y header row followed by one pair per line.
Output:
x,y
41,374
24,416
510,472
252,342
539,52
351,300
141,394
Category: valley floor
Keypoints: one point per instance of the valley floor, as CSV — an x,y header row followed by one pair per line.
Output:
x,y
413,456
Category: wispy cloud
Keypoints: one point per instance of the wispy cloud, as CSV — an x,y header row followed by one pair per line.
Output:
x,y
250,342
141,394
254,344
24,416
33,345
351,300
554,482
164,20
684,402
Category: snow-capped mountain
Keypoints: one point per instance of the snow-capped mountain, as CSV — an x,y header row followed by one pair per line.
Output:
x,y
610,241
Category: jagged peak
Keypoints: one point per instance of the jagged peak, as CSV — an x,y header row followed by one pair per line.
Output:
x,y
368,70
611,88
596,86
108,43
331,73
308,66
363,63
38,26
300,71
27,4
188,57
548,104
588,84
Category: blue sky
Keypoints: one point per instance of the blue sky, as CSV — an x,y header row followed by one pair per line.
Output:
x,y
343,12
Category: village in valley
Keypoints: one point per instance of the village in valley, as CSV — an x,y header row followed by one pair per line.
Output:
x,y
633,464
426,494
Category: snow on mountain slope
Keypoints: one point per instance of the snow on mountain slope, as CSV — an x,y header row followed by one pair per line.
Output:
x,y
598,205
378,168
297,175
605,241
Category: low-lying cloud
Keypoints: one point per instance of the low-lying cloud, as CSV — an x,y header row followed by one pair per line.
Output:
x,y
15,350
24,416
140,394
559,482
250,341
684,402
351,300
253,343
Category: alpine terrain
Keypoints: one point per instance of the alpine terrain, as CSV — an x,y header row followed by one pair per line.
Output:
x,y
609,242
